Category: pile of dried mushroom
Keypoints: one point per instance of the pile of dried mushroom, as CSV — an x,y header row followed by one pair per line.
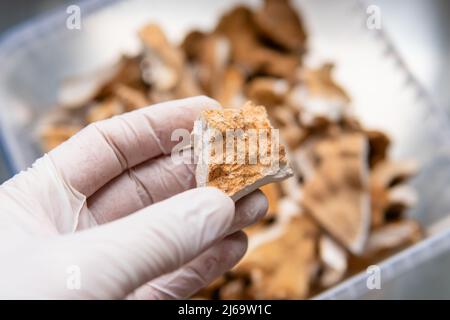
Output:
x,y
345,207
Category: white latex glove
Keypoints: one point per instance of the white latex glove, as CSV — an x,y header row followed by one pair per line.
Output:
x,y
107,215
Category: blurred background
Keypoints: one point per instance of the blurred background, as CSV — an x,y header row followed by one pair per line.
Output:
x,y
419,31
13,13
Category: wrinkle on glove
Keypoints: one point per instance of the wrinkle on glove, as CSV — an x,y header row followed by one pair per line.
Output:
x,y
150,182
116,258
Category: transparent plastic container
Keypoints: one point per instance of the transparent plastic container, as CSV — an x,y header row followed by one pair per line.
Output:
x,y
37,56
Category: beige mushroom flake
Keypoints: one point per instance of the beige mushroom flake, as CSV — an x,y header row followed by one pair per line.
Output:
x,y
279,269
279,22
232,170
337,194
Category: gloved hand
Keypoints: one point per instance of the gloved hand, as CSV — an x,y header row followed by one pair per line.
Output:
x,y
108,214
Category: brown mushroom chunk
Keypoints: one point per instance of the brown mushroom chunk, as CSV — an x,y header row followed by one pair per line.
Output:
x,y
319,98
280,22
248,52
164,67
272,192
77,92
334,261
128,73
282,268
267,90
291,131
192,44
234,171
391,173
389,196
104,110
212,61
55,134
230,90
393,236
378,146
336,194
130,97
163,63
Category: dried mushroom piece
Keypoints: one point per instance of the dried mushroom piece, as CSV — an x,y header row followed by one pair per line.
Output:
x,y
378,146
337,194
131,98
390,197
192,44
320,83
304,162
284,267
393,236
391,173
278,21
77,92
386,241
319,97
247,50
293,136
55,134
128,73
273,227
401,197
273,194
188,86
291,131
234,289
216,56
212,61
163,63
334,262
379,202
164,67
292,189
268,91
104,110
288,208
273,63
229,92
210,292
232,155
239,28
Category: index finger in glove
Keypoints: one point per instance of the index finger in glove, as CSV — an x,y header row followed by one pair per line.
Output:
x,y
105,149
